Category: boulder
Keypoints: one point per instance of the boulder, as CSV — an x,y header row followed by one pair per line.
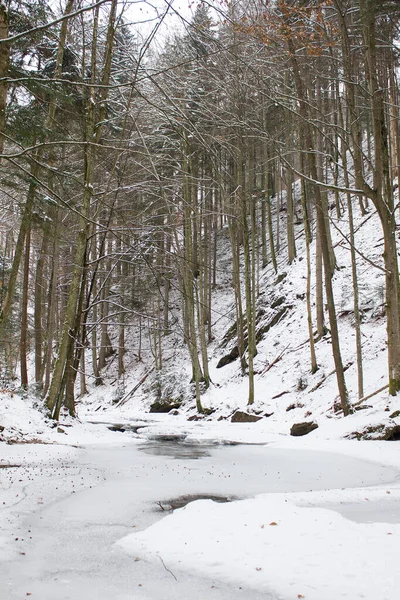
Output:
x,y
243,417
299,429
164,406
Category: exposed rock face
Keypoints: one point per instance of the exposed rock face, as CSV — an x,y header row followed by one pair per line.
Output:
x,y
243,417
393,434
164,406
303,428
270,321
228,358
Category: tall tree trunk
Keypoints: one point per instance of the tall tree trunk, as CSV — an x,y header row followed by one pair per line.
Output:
x,y
382,195
6,307
189,274
24,312
93,131
307,234
25,222
38,313
319,284
321,223
242,194
270,226
357,317
350,79
4,63
52,302
290,216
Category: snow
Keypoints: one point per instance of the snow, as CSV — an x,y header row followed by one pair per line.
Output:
x,y
270,541
312,517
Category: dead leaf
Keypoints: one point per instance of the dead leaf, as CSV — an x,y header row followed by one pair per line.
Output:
x,y
273,523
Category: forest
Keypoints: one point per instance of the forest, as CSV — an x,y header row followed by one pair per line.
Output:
x,y
135,159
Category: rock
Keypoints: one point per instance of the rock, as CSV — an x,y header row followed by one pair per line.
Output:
x,y
293,406
277,302
280,278
228,358
1,428
243,417
381,431
60,430
164,406
199,416
117,427
299,429
394,415
229,335
392,434
208,411
266,326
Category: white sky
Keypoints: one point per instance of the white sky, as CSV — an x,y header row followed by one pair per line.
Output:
x,y
145,13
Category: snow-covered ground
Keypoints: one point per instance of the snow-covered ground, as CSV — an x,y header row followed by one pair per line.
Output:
x,y
81,516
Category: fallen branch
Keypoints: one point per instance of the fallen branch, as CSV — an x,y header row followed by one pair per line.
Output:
x,y
371,395
277,359
326,377
279,395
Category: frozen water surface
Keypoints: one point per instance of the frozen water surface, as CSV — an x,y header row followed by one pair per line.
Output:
x,y
61,515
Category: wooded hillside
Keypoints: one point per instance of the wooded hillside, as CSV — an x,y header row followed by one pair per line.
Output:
x,y
125,162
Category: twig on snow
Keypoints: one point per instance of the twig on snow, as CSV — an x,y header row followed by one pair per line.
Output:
x,y
166,568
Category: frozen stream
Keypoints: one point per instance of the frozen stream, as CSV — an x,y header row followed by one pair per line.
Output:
x,y
62,510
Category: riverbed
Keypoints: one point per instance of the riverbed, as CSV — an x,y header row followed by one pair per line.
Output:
x,y
63,511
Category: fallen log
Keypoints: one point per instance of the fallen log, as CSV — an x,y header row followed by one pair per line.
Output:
x,y
129,395
370,395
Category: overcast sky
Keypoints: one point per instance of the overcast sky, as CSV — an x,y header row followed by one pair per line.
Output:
x,y
145,13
